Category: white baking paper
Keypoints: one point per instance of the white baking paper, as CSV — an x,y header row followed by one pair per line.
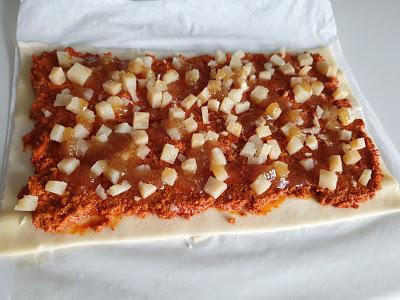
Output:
x,y
218,267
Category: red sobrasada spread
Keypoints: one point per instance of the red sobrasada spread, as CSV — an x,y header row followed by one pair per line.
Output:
x,y
173,137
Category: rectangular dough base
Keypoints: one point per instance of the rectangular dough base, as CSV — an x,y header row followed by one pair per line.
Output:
x,y
19,236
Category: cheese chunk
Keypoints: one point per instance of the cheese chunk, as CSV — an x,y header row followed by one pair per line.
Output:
x,y
365,177
154,97
335,163
68,165
56,187
98,167
261,184
188,102
57,133
327,180
215,187
57,76
146,189
218,157
79,74
141,120
170,76
27,203
169,153
307,163
105,111
189,165
259,94
351,157
198,140
140,137
169,176
117,189
64,59
234,128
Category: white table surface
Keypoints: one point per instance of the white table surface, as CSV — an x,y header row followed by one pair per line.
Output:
x,y
353,260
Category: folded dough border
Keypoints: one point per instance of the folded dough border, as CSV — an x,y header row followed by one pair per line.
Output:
x,y
19,236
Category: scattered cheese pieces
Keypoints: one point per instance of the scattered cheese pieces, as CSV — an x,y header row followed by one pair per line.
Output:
x,y
68,165
261,184
215,187
146,189
169,153
79,74
55,187
57,76
27,203
327,180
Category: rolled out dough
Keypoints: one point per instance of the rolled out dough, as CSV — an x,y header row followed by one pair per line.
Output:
x,y
19,236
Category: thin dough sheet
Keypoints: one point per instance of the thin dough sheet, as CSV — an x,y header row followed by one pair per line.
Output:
x,y
19,236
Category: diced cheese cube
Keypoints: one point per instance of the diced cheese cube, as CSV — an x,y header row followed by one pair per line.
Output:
x,y
311,142
198,140
335,163
140,137
142,151
268,66
88,94
188,102
154,97
64,59
79,74
101,192
365,177
261,184
351,157
220,57
143,168
324,68
340,93
294,145
212,136
176,113
327,180
277,60
205,115
234,128
295,81
105,111
204,95
170,76
305,59
166,99
98,167
176,62
241,107
236,59
190,125
317,88
161,85
275,149
55,187
112,174
345,135
146,189
189,165
141,120
104,130
77,105
81,147
81,131
304,70
174,134
235,95
27,203
57,76
117,189
357,144
215,187
129,85
219,172
345,116
249,149
260,121
264,151
259,94
112,87
241,83
307,163
273,111
267,74
169,176
226,105
192,76
169,153
263,131
62,100
123,128
57,133
287,69
302,92
218,157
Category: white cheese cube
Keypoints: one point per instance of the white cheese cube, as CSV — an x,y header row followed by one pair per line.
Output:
x,y
101,192
198,140
169,176
302,92
351,157
295,81
234,128
204,95
261,184
220,57
317,88
55,187
304,70
112,87
57,133
212,136
311,142
305,59
236,59
249,149
218,157
307,163
327,180
267,74
215,187
192,76
77,105
263,131
140,137
259,94
117,189
345,135
62,100
129,85
142,151
141,120
146,189
294,145
324,68
263,152
169,153
219,172
112,174
235,95
275,149
104,131
154,97
174,134
170,76
27,203
287,69
79,74
176,113
57,76
143,168
226,105
345,116
335,163
98,167
81,131
277,60
189,165
188,102
340,93
205,115
241,107
105,111
190,125
365,177
88,94
166,99
357,144
64,59
123,128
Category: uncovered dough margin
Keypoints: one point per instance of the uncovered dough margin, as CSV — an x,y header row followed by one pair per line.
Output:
x,y
19,236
